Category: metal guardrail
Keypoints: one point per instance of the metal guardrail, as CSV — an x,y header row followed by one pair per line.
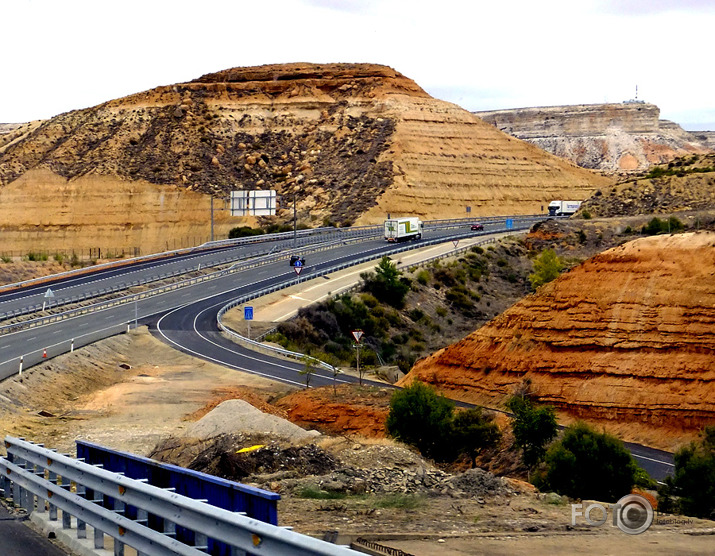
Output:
x,y
364,232
122,286
42,480
255,344
131,298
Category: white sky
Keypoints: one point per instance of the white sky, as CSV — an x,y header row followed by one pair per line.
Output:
x,y
61,55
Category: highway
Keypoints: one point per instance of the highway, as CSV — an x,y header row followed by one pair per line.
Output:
x,y
186,319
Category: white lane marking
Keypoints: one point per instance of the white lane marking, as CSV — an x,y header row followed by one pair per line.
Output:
x,y
223,363
655,460
245,355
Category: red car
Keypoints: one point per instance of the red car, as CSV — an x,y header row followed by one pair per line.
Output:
x,y
477,227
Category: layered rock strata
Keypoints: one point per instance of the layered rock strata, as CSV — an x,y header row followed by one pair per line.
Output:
x,y
350,142
628,336
613,138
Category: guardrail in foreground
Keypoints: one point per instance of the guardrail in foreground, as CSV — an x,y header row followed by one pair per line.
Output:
x,y
42,480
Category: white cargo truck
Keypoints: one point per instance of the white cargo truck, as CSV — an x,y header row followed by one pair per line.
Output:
x,y
563,208
401,229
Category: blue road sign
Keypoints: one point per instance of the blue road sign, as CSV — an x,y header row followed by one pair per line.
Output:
x,y
248,313
509,224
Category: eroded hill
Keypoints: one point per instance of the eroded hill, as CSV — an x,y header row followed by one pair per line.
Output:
x,y
614,138
351,142
627,337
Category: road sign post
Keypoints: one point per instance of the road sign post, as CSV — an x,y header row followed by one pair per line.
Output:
x,y
248,317
357,334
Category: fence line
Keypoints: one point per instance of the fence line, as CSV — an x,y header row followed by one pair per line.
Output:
x,y
42,480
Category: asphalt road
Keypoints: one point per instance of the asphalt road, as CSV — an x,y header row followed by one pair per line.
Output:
x,y
16,539
186,319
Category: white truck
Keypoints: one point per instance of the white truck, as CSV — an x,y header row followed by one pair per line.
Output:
x,y
401,229
563,208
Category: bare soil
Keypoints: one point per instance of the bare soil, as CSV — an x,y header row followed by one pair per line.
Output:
x,y
132,392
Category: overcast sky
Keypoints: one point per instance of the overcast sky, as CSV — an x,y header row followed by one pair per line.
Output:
x,y
61,55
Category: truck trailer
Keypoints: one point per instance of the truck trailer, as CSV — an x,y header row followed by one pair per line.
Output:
x,y
402,229
563,208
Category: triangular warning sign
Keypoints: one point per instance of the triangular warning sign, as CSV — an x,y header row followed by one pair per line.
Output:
x,y
455,241
297,269
357,334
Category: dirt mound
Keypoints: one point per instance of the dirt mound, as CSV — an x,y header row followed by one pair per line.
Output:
x,y
627,337
237,456
347,410
239,416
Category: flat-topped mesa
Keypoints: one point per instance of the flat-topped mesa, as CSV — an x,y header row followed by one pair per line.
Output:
x,y
615,137
336,80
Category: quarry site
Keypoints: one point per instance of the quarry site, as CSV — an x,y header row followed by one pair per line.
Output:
x,y
621,337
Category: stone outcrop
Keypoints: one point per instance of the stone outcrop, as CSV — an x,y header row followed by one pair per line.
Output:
x,y
350,142
628,337
707,138
613,138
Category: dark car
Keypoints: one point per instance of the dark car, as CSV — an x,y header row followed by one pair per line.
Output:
x,y
295,260
477,227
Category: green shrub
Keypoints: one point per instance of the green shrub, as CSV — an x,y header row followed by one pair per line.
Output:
x,y
387,283
587,464
534,427
420,417
547,267
423,277
32,256
472,431
586,215
657,226
693,481
244,231
6,259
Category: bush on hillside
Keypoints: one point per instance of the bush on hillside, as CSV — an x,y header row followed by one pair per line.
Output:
x,y
693,481
587,464
534,427
387,283
243,231
426,420
547,267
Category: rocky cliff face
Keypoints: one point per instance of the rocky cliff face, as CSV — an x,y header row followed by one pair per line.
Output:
x,y
707,138
613,138
351,142
627,337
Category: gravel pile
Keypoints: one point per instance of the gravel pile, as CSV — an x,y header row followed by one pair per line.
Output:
x,y
393,480
240,417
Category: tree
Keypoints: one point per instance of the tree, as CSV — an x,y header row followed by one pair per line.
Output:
x,y
693,480
533,427
387,283
309,369
473,431
547,267
420,417
590,465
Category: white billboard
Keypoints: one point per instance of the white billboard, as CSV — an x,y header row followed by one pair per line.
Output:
x,y
253,202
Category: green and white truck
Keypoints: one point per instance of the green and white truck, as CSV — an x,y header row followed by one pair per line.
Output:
x,y
402,229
